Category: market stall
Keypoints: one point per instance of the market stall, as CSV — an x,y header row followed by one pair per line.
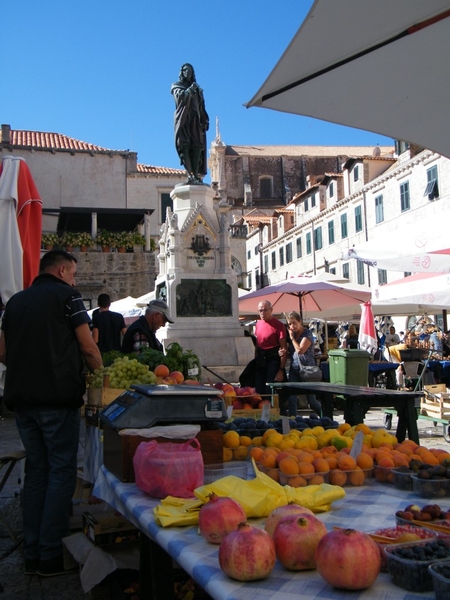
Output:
x,y
366,508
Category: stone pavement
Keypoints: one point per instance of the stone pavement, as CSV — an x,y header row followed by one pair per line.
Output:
x,y
17,586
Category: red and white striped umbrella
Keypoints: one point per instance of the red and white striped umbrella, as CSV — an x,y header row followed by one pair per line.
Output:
x,y
367,336
20,227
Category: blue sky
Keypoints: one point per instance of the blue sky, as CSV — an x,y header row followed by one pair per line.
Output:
x,y
100,71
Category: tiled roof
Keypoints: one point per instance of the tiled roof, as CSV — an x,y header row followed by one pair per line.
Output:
x,y
152,170
258,219
308,150
52,141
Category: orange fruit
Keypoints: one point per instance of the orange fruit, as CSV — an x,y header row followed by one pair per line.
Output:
x,y
364,461
256,453
240,453
227,454
320,465
346,463
268,460
274,474
400,460
230,439
332,462
338,477
289,466
305,468
356,477
316,479
244,440
282,455
305,457
386,461
296,481
161,371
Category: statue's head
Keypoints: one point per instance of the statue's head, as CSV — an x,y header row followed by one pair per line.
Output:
x,y
187,73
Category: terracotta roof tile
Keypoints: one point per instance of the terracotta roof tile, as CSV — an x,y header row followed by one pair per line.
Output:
x,y
308,150
52,141
152,170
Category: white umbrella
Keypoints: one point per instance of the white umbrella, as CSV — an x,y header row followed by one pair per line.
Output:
x,y
427,289
426,250
306,295
377,65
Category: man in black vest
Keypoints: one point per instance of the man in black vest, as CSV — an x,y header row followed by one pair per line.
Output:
x,y
141,334
45,343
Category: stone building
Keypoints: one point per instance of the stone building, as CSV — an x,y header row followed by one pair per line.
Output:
x,y
85,187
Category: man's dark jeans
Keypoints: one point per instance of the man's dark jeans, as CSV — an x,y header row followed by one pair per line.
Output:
x,y
50,437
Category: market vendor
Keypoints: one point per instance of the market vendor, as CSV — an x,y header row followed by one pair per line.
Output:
x,y
141,334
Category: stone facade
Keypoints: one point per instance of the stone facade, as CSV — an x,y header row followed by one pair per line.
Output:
x,y
119,275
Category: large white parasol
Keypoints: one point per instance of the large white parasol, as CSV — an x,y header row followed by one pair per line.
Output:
x,y
377,65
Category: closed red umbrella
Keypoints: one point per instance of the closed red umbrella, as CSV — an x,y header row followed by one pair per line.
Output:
x,y
367,336
20,227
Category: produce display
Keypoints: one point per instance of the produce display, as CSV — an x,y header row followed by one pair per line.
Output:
x,y
400,534
175,359
428,513
122,373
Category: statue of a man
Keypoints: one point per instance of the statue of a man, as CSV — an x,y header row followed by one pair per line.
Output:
x,y
191,124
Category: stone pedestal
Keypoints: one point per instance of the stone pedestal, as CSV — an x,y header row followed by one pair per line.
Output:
x,y
197,282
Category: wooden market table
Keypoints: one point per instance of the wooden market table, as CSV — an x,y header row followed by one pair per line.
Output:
x,y
365,508
359,399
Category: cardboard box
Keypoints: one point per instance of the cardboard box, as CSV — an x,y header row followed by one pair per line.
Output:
x,y
118,450
436,402
102,396
108,528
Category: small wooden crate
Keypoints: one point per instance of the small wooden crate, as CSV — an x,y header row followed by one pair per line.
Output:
x,y
103,396
438,407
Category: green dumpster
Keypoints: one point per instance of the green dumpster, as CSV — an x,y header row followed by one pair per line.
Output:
x,y
350,367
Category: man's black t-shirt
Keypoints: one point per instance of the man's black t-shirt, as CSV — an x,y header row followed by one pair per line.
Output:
x,y
109,325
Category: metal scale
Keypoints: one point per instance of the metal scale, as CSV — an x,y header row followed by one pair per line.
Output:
x,y
147,405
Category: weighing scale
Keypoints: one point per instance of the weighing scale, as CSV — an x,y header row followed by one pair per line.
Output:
x,y
146,405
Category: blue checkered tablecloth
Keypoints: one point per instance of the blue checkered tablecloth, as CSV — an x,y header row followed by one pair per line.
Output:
x,y
366,508
93,453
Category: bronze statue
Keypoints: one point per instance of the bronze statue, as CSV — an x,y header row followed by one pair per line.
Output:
x,y
191,124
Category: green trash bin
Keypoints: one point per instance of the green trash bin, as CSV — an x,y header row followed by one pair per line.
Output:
x,y
350,367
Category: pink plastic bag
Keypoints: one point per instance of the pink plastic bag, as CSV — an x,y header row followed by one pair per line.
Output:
x,y
168,469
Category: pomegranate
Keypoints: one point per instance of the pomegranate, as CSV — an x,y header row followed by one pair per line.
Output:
x,y
296,539
219,517
247,554
348,559
280,512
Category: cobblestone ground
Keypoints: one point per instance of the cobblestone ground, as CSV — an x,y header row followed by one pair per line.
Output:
x,y
17,586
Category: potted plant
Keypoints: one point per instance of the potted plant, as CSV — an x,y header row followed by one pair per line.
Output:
x,y
85,241
70,239
105,239
123,241
49,240
137,240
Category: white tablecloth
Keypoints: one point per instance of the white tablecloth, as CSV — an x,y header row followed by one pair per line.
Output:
x,y
365,508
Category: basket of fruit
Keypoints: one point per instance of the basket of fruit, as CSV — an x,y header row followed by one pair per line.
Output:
x,y
399,534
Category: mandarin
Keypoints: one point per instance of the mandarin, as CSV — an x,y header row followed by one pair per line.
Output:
x,y
338,477
316,479
305,467
320,465
356,477
364,461
289,466
346,462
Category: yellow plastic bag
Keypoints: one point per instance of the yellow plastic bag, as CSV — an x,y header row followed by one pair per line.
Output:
x,y
258,497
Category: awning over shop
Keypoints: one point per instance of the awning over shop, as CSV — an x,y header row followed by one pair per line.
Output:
x,y
111,219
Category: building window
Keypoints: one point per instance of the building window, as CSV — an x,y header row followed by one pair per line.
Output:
x,y
313,200
379,209
306,205
249,254
406,273
289,252
266,263
249,281
281,255
432,189
274,261
265,187
344,228
318,238
382,276
333,270
331,189
257,280
331,232
358,219
166,202
404,196
356,173
256,249
308,243
360,272
299,247
345,271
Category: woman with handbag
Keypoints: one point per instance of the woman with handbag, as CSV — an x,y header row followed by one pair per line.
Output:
x,y
301,350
